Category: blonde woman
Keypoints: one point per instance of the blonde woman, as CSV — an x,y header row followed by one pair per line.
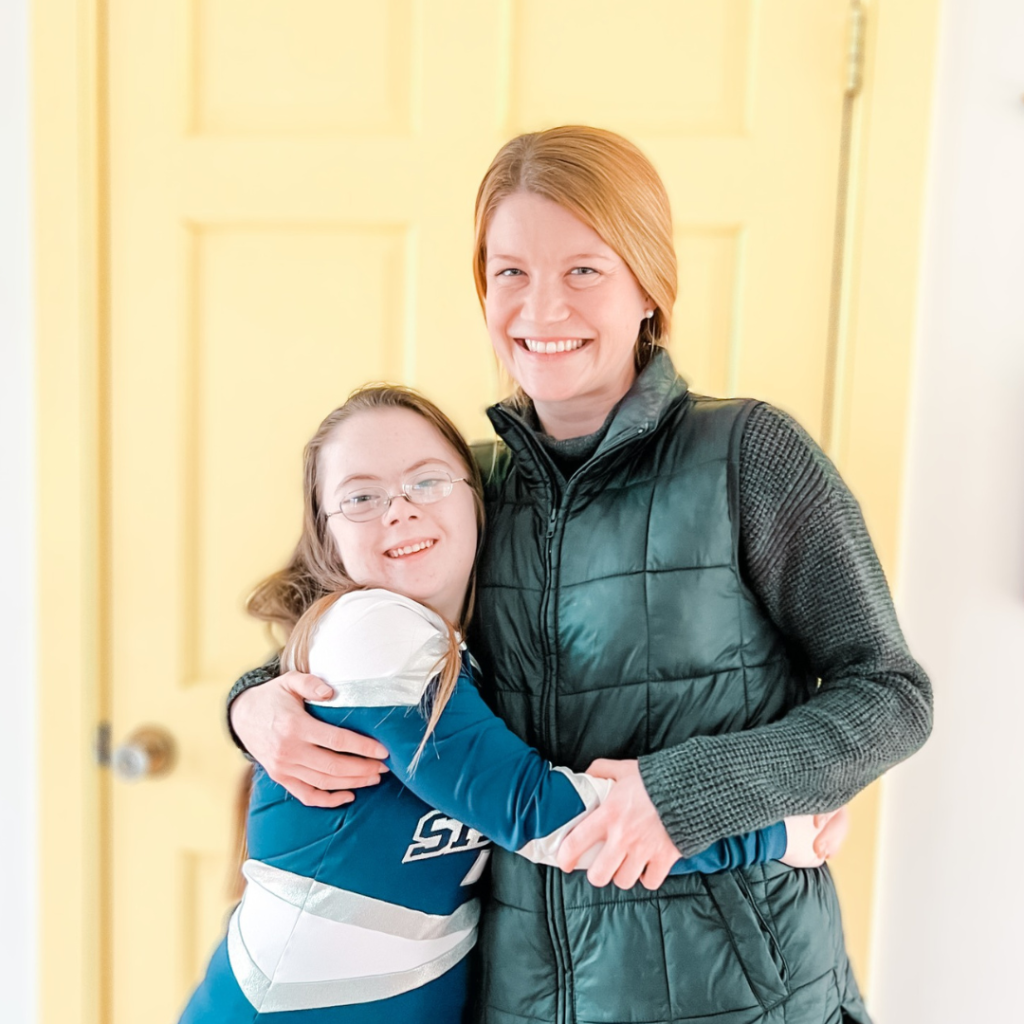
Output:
x,y
675,592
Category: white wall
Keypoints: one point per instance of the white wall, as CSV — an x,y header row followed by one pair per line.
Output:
x,y
17,599
950,933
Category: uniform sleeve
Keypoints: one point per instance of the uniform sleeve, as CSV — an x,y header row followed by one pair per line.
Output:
x,y
807,556
473,767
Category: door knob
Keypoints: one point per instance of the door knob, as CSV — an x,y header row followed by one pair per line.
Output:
x,y
147,753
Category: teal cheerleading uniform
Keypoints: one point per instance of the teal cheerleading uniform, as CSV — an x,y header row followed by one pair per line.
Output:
x,y
367,912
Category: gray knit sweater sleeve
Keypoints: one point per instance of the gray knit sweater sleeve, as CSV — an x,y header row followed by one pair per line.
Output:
x,y
807,556
270,669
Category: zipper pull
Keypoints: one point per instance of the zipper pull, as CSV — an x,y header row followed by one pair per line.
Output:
x,y
552,519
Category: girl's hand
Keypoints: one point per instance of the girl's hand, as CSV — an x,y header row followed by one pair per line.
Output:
x,y
812,838
635,847
299,751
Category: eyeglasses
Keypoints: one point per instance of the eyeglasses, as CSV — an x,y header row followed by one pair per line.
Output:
x,y
366,503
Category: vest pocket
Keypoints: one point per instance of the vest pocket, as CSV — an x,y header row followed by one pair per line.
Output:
x,y
754,943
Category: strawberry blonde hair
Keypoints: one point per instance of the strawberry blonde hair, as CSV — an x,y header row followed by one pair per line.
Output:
x,y
607,183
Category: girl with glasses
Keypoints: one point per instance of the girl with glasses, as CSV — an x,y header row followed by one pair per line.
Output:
x,y
367,912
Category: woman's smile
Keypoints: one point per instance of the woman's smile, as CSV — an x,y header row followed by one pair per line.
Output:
x,y
551,346
563,312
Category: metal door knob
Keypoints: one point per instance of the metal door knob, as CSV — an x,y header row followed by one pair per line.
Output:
x,y
146,753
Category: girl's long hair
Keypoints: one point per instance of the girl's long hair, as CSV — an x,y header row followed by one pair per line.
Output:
x,y
314,569
293,599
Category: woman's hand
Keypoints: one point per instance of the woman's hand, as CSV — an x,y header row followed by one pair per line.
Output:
x,y
636,846
299,751
812,838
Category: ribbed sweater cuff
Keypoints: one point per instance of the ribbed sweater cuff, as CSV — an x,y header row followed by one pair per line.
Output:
x,y
696,815
255,677
665,778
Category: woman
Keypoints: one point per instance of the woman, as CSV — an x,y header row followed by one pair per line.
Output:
x,y
335,926
679,587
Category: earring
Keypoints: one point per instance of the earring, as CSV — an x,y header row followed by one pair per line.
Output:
x,y
649,315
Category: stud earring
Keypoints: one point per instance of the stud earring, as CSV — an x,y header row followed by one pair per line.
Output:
x,y
649,315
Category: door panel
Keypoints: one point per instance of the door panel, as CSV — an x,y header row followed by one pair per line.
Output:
x,y
290,214
667,69
322,67
293,313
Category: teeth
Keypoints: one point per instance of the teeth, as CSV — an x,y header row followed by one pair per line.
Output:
x,y
410,550
551,347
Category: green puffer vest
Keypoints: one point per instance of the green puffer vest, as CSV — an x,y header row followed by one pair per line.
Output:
x,y
614,622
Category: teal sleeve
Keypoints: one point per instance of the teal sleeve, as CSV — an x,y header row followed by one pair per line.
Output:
x,y
475,769
737,852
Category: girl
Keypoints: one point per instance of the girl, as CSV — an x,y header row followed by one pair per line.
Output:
x,y
366,912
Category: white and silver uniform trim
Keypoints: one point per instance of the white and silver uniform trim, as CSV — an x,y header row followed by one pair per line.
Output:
x,y
592,791
295,943
400,648
336,942
401,645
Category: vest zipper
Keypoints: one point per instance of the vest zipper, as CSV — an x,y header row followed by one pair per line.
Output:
x,y
554,885
558,932
557,929
550,639
560,512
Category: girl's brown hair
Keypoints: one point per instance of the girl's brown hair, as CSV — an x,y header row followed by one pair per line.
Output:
x,y
314,569
605,181
295,597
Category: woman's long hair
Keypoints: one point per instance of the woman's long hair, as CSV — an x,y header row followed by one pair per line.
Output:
x,y
294,598
605,181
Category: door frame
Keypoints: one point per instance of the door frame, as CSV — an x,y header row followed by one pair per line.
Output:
x,y
870,398
71,281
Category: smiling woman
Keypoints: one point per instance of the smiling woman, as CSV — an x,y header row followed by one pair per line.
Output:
x,y
676,590
561,247
563,311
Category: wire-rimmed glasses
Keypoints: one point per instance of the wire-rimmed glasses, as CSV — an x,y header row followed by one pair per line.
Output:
x,y
367,502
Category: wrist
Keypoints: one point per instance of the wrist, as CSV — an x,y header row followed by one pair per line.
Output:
x,y
663,778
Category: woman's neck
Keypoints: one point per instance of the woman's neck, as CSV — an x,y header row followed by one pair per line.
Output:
x,y
578,416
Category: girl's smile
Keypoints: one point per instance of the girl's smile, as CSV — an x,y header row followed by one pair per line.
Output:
x,y
408,550
424,551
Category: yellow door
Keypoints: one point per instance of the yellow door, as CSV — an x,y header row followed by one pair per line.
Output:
x,y
283,210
